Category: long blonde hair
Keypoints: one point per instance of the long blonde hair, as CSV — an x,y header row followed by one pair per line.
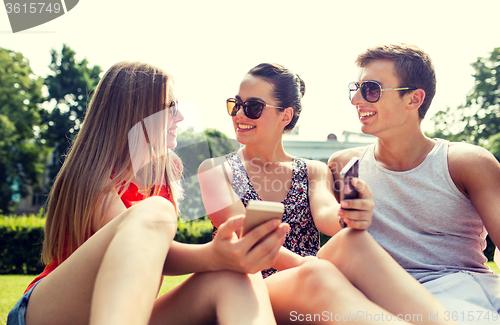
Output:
x,y
100,158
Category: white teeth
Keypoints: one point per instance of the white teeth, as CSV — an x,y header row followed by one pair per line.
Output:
x,y
364,114
245,126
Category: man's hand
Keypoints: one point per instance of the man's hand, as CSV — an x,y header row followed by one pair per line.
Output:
x,y
357,213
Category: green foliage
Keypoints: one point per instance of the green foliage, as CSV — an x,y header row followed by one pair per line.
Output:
x,y
193,148
489,251
21,147
494,145
21,241
478,120
69,86
194,232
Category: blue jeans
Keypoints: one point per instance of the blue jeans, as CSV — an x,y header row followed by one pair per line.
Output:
x,y
18,313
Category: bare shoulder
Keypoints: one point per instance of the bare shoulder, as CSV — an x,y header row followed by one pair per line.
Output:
x,y
205,165
210,163
465,155
340,158
470,166
316,168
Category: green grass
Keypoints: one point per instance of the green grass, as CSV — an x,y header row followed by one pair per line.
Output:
x,y
13,286
492,265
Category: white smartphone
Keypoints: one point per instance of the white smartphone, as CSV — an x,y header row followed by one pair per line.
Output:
x,y
347,190
258,212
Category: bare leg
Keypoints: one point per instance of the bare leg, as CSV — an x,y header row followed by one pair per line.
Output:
x,y
222,297
64,296
317,293
375,273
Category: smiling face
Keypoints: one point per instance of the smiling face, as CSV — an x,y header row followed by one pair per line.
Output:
x,y
269,124
172,121
389,111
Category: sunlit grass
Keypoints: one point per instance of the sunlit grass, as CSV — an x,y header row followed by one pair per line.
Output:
x,y
13,286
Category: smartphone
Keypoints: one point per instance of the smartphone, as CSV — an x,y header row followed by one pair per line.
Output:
x,y
258,212
347,190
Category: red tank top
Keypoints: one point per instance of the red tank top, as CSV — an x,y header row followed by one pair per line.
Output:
x,y
129,198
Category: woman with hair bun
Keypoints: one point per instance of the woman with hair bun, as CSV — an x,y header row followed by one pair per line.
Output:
x,y
351,275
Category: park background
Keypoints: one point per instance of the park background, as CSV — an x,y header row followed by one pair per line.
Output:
x,y
209,45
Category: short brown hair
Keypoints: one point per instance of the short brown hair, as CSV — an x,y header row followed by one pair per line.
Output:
x,y
413,66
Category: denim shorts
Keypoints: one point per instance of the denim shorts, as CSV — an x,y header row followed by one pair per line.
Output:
x,y
18,313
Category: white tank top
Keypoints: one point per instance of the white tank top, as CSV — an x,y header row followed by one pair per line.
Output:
x,y
421,218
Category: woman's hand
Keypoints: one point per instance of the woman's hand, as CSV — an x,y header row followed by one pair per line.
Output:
x,y
357,213
255,251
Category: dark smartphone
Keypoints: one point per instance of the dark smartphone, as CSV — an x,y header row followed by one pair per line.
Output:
x,y
347,190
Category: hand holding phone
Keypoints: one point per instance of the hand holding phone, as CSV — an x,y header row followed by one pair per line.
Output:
x,y
258,212
347,190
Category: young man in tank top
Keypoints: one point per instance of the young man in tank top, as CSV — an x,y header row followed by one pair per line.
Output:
x,y
435,201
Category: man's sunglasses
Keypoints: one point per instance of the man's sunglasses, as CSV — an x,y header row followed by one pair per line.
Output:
x,y
173,108
371,90
252,108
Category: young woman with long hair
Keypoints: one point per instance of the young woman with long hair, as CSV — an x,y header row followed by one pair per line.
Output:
x,y
112,217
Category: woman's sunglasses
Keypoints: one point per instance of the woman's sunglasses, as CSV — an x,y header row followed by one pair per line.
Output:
x,y
371,90
173,108
252,108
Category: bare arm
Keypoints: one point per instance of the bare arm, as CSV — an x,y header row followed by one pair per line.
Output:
x,y
219,199
222,203
476,173
357,213
226,251
324,206
250,253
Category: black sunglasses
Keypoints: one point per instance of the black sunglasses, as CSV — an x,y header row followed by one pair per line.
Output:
x,y
371,90
173,108
252,108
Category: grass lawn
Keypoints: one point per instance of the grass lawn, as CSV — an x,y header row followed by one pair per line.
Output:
x,y
13,286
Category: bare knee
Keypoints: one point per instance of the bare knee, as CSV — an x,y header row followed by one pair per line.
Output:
x,y
346,245
221,281
225,288
154,213
322,282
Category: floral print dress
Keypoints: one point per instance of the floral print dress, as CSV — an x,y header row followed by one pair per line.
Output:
x,y
303,237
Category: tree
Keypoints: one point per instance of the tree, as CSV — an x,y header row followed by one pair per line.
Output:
x,y
69,87
478,120
494,145
193,148
21,147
